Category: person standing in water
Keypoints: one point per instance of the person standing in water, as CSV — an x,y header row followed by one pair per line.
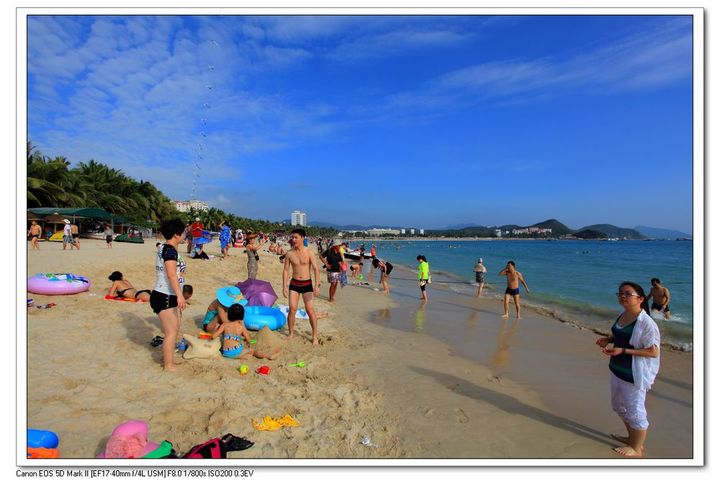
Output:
x,y
423,276
660,297
480,271
514,278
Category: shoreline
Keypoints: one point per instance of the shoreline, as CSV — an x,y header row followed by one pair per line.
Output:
x,y
414,394
549,311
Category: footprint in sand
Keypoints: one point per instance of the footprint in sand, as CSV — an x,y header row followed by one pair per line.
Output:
x,y
461,416
495,379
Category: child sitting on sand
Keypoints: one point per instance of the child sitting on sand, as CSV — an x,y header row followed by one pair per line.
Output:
x,y
233,332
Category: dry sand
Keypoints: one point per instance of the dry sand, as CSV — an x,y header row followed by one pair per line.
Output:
x,y
90,367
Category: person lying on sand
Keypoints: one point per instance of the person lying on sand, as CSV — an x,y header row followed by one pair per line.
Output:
x,y
234,332
121,287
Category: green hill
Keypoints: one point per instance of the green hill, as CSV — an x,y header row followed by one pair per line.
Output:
x,y
614,231
558,228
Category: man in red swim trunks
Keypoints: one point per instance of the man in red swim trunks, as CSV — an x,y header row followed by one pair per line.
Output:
x,y
301,259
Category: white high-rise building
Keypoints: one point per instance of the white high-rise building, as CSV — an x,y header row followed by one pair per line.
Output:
x,y
298,218
186,205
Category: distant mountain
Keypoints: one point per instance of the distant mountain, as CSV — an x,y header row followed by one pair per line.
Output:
x,y
460,226
657,233
614,231
558,228
590,234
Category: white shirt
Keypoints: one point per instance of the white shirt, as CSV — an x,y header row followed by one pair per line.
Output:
x,y
67,230
645,334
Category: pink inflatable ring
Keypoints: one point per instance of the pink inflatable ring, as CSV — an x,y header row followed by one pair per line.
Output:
x,y
57,284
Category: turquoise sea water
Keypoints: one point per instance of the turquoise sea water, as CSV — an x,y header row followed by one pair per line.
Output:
x,y
574,281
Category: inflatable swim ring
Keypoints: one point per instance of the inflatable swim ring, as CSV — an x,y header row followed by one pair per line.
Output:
x,y
257,317
299,314
52,284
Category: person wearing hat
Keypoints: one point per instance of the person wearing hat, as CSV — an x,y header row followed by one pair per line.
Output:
x,y
196,230
480,271
332,258
67,235
218,309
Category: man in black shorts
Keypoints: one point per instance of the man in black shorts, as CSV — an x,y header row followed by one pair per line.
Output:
x,y
300,260
514,278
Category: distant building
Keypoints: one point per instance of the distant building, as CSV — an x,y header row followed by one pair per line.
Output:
x,y
402,231
422,231
186,205
377,232
498,233
298,218
531,230
412,231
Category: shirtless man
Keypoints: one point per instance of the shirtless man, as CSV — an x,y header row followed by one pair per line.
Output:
x,y
34,232
300,259
513,287
660,297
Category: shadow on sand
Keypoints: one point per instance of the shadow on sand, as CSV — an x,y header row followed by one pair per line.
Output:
x,y
513,406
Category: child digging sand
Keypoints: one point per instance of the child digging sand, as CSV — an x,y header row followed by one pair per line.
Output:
x,y
233,333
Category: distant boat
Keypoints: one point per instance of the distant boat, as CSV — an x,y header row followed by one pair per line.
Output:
x,y
355,255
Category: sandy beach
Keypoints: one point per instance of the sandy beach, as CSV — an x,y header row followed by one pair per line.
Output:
x,y
452,380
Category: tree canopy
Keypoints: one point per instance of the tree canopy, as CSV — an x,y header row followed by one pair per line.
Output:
x,y
52,183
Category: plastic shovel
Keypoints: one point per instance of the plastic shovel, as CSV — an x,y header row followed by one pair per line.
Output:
x,y
297,364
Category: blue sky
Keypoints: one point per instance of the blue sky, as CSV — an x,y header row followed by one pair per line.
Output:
x,y
422,121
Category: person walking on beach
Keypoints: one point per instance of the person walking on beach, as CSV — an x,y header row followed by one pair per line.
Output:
x,y
67,235
225,235
480,271
251,249
514,278
660,296
75,236
34,233
167,300
300,260
332,258
423,276
634,363
108,236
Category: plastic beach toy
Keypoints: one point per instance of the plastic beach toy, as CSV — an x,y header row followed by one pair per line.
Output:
x,y
263,370
51,284
297,364
42,444
243,369
273,424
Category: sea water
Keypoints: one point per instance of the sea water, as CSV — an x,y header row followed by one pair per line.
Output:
x,y
574,281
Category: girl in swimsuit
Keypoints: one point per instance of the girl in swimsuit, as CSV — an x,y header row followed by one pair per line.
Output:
x,y
123,288
234,332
